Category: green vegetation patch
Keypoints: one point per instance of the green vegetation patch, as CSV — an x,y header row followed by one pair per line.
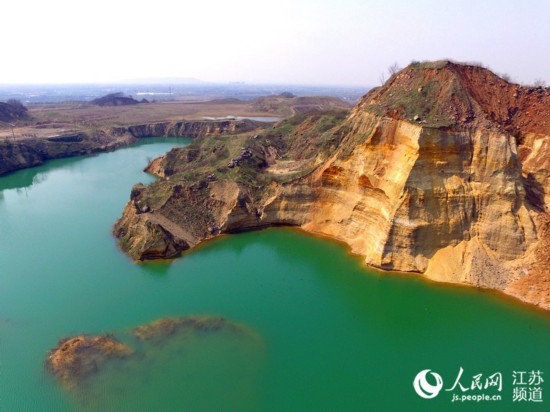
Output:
x,y
242,158
436,65
426,100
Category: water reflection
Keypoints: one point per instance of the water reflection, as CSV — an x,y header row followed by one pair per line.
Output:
x,y
21,179
156,268
35,175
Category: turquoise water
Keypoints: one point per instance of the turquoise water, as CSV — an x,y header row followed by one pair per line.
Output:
x,y
331,335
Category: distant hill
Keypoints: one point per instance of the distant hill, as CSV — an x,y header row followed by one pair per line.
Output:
x,y
287,95
116,99
12,110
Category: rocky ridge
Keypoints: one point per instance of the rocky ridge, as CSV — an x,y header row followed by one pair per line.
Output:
x,y
443,171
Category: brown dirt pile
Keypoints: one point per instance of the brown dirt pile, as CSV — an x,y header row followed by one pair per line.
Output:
x,y
450,94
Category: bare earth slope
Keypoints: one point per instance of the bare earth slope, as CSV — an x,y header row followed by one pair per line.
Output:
x,y
443,171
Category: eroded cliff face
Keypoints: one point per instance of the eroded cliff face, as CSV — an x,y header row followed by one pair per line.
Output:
x,y
193,129
23,153
30,152
461,201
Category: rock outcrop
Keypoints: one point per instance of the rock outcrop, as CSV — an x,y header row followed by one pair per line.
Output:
x,y
75,359
30,152
193,128
443,171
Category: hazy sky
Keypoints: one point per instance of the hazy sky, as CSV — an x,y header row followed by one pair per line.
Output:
x,y
333,42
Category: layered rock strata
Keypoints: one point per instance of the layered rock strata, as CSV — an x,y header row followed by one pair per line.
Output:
x,y
427,174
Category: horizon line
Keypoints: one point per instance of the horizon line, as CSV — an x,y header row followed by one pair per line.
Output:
x,y
163,82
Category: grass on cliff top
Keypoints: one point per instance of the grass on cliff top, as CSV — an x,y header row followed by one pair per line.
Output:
x,y
306,135
431,99
438,64
303,136
89,141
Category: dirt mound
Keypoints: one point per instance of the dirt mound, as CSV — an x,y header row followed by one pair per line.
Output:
x,y
115,99
448,94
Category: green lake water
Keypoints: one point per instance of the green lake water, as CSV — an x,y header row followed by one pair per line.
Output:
x,y
325,332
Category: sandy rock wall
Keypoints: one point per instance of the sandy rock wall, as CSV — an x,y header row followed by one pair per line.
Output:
x,y
456,205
